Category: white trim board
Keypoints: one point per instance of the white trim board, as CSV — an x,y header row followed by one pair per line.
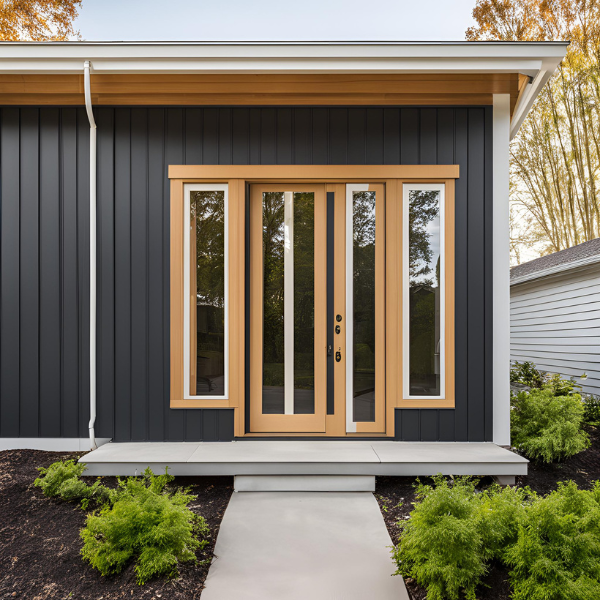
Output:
x,y
501,271
50,444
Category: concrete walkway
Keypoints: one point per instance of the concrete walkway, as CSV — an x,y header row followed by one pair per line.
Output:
x,y
301,545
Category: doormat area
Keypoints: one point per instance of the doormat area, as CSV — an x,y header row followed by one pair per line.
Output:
x,y
40,543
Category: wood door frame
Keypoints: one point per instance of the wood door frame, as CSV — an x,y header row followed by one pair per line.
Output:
x,y
278,423
335,177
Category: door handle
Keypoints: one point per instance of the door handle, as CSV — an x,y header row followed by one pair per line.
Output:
x,y
329,350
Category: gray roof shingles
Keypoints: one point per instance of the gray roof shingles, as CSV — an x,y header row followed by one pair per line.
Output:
x,y
564,257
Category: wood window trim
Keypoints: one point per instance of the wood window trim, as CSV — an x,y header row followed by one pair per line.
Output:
x,y
449,399
237,177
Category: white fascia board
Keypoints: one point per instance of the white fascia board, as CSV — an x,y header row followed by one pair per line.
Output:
x,y
531,93
269,65
185,57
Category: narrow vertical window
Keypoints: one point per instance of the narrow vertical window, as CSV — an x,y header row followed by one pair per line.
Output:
x,y
205,297
424,291
289,299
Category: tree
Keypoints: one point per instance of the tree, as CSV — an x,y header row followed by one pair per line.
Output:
x,y
555,158
38,20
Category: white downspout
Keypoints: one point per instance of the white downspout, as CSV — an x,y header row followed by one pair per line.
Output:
x,y
90,114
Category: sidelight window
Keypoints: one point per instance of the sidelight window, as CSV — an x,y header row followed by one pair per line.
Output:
x,y
424,291
205,292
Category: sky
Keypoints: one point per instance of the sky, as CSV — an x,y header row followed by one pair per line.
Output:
x,y
274,20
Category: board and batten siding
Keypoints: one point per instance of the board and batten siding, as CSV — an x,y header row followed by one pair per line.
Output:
x,y
44,253
555,323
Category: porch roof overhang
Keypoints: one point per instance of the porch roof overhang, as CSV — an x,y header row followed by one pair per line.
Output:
x,y
279,73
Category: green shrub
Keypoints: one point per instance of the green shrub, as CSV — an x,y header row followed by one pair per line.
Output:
x,y
441,545
527,374
591,411
147,524
500,512
546,427
57,474
559,386
61,479
557,553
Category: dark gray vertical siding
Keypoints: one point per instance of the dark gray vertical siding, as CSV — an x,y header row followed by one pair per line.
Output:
x,y
70,310
10,308
29,268
50,274
45,249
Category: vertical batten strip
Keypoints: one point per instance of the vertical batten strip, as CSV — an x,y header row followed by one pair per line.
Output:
x,y
288,301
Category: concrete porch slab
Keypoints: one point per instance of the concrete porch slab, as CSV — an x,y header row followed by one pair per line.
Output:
x,y
287,451
299,545
459,458
289,457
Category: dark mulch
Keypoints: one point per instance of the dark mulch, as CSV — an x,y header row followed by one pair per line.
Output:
x,y
40,543
396,495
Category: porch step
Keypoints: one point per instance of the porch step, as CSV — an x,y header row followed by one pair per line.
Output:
x,y
304,483
318,458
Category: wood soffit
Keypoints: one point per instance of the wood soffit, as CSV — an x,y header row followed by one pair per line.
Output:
x,y
260,90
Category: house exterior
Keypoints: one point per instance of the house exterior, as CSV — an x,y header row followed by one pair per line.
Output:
x,y
555,313
219,241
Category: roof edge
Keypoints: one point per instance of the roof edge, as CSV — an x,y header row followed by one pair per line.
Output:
x,y
582,262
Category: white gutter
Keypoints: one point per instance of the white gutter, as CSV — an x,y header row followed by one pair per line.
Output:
x,y
90,114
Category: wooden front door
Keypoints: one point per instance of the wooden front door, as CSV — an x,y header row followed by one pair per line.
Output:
x,y
317,308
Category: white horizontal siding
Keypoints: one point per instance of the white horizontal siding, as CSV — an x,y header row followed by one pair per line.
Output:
x,y
555,323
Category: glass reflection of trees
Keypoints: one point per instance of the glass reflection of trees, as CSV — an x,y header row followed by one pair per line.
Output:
x,y
363,221
424,289
304,302
273,332
207,215
273,302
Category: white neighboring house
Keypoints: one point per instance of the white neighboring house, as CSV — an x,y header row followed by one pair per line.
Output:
x,y
555,313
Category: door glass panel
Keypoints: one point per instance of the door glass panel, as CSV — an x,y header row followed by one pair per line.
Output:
x,y
207,293
424,238
288,300
273,298
304,303
363,343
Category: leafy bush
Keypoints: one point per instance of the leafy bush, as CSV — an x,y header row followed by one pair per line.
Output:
x,y
547,427
61,479
145,523
591,410
500,512
559,386
56,475
557,553
527,374
441,545
453,532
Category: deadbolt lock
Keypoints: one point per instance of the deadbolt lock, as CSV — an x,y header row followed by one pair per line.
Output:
x,y
338,356
337,329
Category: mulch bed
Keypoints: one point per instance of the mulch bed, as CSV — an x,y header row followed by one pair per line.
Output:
x,y
395,496
40,543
